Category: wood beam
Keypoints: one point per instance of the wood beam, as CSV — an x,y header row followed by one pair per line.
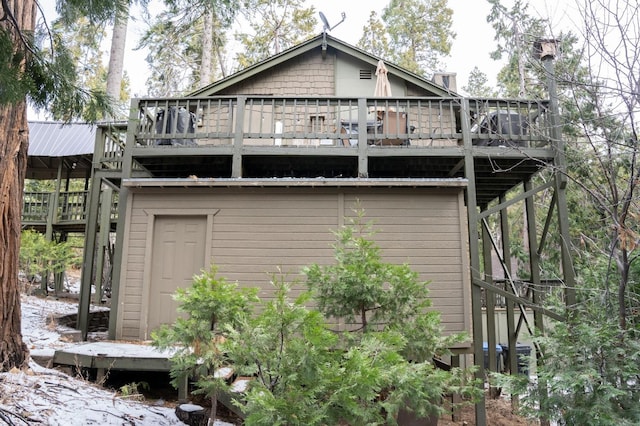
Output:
x,y
474,258
504,203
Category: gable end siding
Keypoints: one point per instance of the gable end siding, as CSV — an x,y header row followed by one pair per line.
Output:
x,y
306,75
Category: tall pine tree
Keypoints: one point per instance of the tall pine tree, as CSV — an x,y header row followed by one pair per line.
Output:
x,y
27,74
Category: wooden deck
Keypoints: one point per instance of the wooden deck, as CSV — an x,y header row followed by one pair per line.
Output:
x,y
307,137
141,356
114,355
65,211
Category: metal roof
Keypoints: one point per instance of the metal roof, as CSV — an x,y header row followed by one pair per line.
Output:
x,y
56,139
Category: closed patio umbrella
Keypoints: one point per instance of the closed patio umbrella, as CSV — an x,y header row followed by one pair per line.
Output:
x,y
393,123
383,88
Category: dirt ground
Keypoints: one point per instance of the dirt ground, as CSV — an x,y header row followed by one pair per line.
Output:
x,y
499,413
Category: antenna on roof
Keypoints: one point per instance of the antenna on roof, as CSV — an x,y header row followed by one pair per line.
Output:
x,y
325,22
326,27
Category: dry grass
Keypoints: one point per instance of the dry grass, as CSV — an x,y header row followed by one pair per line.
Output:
x,y
499,413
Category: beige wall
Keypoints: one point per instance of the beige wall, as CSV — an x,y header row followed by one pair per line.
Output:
x,y
254,231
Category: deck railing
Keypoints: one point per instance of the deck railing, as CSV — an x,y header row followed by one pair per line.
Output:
x,y
114,138
35,206
71,206
40,208
408,122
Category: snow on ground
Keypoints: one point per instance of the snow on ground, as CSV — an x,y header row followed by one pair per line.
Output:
x,y
40,332
50,397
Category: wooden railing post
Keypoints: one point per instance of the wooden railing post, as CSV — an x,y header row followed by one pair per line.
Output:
x,y
52,214
236,165
363,161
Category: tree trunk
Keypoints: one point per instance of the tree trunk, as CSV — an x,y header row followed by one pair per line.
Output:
x,y
207,48
14,141
116,55
622,289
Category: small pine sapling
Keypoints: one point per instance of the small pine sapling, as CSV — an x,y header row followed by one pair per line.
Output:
x,y
210,305
386,310
289,351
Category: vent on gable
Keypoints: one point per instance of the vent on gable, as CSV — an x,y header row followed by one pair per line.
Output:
x,y
366,74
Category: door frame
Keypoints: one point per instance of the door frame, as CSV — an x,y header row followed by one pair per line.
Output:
x,y
144,331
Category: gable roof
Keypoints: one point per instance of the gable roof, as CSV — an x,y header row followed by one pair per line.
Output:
x,y
322,41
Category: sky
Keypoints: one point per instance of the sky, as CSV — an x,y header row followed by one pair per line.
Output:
x,y
474,36
471,47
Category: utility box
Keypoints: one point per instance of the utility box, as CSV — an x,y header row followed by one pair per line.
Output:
x,y
523,353
485,348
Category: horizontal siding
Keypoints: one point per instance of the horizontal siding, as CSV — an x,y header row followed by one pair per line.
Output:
x,y
397,231
135,273
134,300
260,231
282,249
131,293
421,247
138,250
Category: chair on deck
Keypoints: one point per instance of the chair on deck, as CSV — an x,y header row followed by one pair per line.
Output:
x,y
393,123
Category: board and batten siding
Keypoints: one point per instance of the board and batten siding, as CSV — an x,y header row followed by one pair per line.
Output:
x,y
254,232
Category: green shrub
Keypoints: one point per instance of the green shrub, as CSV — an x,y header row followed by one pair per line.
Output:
x,y
362,289
40,256
303,372
308,374
589,374
289,350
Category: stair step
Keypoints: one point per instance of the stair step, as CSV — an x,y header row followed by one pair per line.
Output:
x,y
224,373
240,384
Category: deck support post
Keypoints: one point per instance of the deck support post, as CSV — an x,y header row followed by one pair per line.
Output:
x,y
474,257
490,303
512,333
52,212
183,390
534,259
58,277
560,178
127,171
103,240
455,398
48,235
89,259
